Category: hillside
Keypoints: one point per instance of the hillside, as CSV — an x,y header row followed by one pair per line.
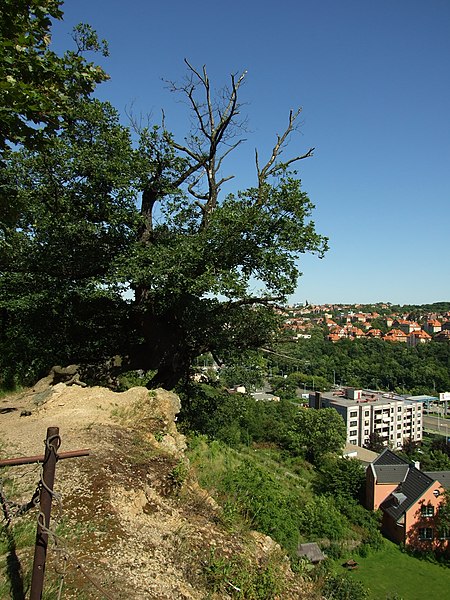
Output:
x,y
134,522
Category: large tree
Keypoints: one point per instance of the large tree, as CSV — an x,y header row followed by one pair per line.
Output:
x,y
204,253
190,257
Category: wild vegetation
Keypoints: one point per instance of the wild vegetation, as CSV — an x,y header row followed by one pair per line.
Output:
x,y
368,363
111,246
266,468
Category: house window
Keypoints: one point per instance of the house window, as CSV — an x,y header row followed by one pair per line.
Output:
x,y
354,433
427,510
353,414
444,534
425,533
353,423
366,414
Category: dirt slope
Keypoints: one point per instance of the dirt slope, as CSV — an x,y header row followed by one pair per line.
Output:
x,y
133,522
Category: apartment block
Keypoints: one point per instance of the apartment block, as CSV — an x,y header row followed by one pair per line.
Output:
x,y
395,418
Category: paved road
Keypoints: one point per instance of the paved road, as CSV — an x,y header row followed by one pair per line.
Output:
x,y
435,424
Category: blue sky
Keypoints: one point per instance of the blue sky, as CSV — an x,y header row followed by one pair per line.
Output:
x,y
373,79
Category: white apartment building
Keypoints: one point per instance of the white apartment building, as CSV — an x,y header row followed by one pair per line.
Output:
x,y
392,416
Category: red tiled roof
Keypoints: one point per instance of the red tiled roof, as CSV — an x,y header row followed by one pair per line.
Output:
x,y
420,334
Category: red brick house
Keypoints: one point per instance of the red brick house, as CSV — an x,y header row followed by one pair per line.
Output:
x,y
409,500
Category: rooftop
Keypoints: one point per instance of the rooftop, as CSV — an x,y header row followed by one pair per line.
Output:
x,y
343,397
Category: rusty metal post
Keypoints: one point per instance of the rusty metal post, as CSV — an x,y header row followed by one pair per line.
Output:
x,y
52,443
28,460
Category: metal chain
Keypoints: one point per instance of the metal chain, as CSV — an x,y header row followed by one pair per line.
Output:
x,y
12,509
60,545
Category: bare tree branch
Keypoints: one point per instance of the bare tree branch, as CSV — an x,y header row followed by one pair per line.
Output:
x,y
197,157
215,124
230,149
272,166
223,180
255,300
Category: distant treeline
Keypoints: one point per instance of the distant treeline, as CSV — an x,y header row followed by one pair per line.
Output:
x,y
368,363
418,310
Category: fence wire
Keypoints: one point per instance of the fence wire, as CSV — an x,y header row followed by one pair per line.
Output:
x,y
12,510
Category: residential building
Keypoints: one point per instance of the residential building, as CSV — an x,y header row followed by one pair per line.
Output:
x,y
374,333
418,337
442,336
406,325
433,326
409,500
395,335
365,412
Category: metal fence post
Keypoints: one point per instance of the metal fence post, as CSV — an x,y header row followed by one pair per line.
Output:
x,y
52,443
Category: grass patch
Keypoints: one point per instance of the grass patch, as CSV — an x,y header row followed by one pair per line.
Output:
x,y
391,573
243,578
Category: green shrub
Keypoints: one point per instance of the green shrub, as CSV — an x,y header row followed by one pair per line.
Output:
x,y
342,587
242,578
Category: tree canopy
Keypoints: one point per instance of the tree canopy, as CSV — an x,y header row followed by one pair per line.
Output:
x,y
116,248
368,363
38,86
317,433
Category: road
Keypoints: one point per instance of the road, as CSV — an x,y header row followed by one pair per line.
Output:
x,y
436,424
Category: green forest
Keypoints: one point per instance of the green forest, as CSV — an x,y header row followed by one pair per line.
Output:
x,y
367,363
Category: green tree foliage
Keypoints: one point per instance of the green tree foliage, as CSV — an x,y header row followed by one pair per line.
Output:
x,y
342,478
370,363
289,386
375,443
188,255
60,297
38,86
444,513
320,518
234,418
343,587
316,433
245,368
433,453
